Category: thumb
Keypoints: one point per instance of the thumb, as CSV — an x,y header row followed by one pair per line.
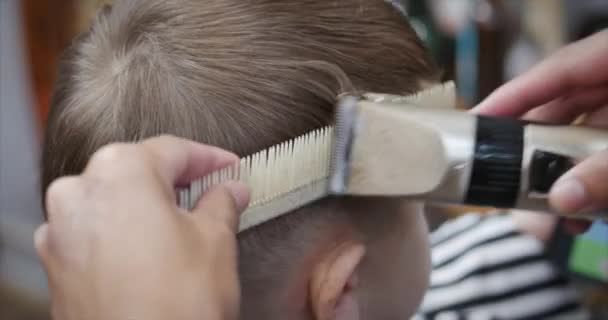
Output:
x,y
584,188
224,203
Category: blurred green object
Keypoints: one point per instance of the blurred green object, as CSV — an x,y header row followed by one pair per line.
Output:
x,y
422,20
589,253
441,45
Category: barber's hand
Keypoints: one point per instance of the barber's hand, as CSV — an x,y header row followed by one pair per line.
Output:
x,y
571,83
116,245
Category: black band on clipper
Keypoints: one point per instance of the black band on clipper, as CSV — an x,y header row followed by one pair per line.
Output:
x,y
496,174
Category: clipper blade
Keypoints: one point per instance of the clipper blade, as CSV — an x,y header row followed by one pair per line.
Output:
x,y
346,123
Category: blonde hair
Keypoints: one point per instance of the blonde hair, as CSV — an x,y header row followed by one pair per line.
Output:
x,y
239,74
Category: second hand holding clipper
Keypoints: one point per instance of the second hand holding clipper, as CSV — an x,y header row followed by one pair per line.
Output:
x,y
438,155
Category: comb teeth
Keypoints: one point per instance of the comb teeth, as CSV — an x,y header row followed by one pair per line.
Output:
x,y
272,172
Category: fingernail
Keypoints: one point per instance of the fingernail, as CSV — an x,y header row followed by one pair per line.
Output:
x,y
569,196
240,192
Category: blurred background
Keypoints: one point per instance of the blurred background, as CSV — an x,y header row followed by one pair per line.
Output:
x,y
479,43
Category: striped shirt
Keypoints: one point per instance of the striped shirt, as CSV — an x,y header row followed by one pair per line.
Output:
x,y
485,269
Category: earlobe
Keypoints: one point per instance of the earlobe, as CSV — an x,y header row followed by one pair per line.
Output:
x,y
334,283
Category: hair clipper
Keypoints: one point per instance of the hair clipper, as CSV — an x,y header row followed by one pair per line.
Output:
x,y
392,147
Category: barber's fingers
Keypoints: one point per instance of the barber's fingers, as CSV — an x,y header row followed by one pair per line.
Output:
x,y
598,118
41,242
54,244
568,108
584,188
580,65
180,161
63,198
223,204
175,161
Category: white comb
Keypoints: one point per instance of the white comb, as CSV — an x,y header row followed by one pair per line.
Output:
x,y
296,172
282,178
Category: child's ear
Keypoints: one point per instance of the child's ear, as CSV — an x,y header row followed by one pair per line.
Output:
x,y
334,283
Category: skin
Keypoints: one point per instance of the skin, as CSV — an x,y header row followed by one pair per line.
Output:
x,y
98,252
97,247
571,83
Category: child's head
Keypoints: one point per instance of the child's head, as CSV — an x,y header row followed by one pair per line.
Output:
x,y
245,75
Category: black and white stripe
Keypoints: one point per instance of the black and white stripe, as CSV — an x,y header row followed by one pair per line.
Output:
x,y
453,228
484,268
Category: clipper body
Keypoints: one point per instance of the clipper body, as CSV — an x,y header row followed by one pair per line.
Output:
x,y
466,159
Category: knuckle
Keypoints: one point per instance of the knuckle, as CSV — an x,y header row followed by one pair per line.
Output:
x,y
160,142
46,243
163,138
59,191
116,160
225,198
111,154
60,187
41,245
